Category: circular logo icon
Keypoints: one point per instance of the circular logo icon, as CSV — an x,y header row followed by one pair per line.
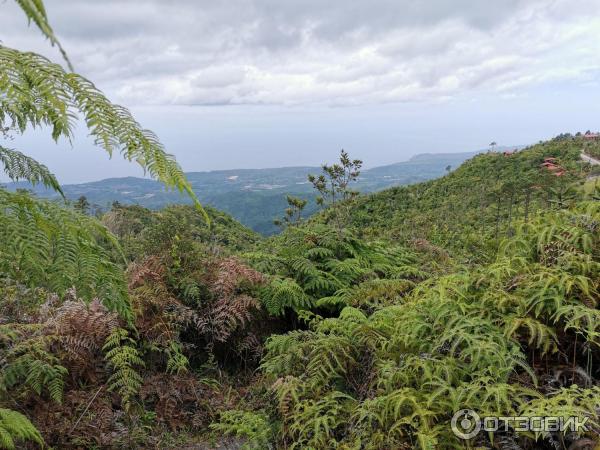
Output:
x,y
466,424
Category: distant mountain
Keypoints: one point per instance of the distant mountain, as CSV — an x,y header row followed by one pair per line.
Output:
x,y
253,196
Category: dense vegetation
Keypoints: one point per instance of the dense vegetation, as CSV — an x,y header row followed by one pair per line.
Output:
x,y
366,327
317,338
469,211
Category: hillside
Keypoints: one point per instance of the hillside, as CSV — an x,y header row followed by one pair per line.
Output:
x,y
253,196
470,209
469,291
142,231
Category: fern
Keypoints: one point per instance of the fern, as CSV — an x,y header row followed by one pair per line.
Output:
x,y
472,339
36,13
18,166
314,423
316,266
31,364
566,403
37,92
177,362
253,427
15,427
284,293
124,359
539,335
287,354
45,245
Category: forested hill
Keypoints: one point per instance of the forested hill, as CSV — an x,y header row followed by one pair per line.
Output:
x,y
468,210
253,196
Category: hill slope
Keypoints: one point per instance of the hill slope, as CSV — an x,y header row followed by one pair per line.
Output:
x,y
471,208
142,231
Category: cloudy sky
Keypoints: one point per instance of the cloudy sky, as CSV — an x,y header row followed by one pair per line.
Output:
x,y
267,83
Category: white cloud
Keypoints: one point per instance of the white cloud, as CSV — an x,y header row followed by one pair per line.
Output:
x,y
311,52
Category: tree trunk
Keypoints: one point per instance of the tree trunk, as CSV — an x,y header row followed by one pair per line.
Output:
x,y
527,197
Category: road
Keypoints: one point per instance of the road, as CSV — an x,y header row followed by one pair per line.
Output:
x,y
592,161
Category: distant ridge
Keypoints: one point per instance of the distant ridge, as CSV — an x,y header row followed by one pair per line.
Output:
x,y
428,156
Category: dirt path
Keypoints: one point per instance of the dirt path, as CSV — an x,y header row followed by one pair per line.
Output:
x,y
592,161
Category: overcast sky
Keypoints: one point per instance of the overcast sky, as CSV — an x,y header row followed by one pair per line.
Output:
x,y
267,83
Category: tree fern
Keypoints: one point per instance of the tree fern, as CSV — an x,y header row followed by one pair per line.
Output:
x,y
18,166
45,245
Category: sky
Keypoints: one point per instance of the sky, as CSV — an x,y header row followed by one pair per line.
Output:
x,y
270,83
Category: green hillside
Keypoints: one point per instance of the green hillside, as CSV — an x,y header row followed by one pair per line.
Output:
x,y
470,209
142,231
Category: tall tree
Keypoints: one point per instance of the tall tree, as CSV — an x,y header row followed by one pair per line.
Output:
x,y
333,186
293,213
82,205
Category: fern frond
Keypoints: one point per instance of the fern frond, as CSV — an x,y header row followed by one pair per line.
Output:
x,y
18,166
540,335
252,427
45,245
35,92
282,293
31,364
36,13
124,359
15,427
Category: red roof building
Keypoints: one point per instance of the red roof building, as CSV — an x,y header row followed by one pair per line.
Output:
x,y
550,164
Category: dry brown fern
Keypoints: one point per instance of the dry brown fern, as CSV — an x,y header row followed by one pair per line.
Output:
x,y
150,269
231,276
232,307
85,419
159,315
181,401
80,331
